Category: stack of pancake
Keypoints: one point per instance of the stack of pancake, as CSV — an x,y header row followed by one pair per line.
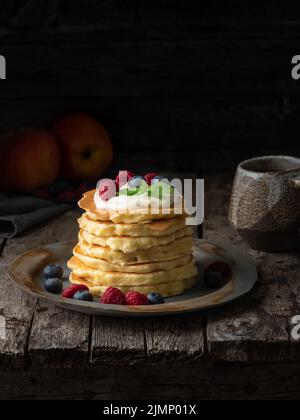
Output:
x,y
133,251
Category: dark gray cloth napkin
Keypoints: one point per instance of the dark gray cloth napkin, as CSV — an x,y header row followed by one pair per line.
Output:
x,y
18,213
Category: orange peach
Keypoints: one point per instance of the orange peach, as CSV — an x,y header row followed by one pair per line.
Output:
x,y
29,159
85,145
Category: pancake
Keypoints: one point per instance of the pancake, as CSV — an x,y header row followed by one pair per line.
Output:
x,y
104,278
135,216
103,265
173,250
164,289
129,244
153,228
133,250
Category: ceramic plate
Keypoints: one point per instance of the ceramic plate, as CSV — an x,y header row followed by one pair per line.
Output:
x,y
26,272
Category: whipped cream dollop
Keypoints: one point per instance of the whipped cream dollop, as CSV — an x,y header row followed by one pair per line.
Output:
x,y
137,202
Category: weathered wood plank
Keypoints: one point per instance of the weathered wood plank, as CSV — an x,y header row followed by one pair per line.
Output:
x,y
183,126
117,342
280,294
48,332
257,327
156,68
16,312
175,340
61,383
57,336
154,17
194,381
17,307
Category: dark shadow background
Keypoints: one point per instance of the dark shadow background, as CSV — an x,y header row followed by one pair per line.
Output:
x,y
179,84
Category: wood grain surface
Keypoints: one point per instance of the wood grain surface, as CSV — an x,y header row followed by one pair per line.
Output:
x,y
174,77
255,329
175,353
22,313
173,82
194,381
258,328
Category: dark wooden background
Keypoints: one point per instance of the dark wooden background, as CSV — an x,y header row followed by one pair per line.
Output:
x,y
180,84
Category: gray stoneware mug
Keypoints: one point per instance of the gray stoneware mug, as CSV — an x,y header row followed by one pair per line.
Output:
x,y
265,203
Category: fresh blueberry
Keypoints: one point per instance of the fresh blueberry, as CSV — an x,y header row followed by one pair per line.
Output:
x,y
83,295
136,182
157,179
155,298
54,286
213,280
53,271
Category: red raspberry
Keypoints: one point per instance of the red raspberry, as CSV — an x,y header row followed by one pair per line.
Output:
x,y
220,267
149,177
113,296
104,193
136,298
123,178
106,190
70,291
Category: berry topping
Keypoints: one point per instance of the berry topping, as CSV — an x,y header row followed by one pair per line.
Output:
x,y
136,298
157,179
149,177
136,182
83,295
155,298
107,189
70,291
160,190
220,267
103,192
53,271
113,296
213,280
54,286
123,178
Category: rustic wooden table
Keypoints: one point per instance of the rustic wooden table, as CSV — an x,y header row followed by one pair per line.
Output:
x,y
243,350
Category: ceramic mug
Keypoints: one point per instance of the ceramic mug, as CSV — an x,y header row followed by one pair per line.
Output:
x,y
265,203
